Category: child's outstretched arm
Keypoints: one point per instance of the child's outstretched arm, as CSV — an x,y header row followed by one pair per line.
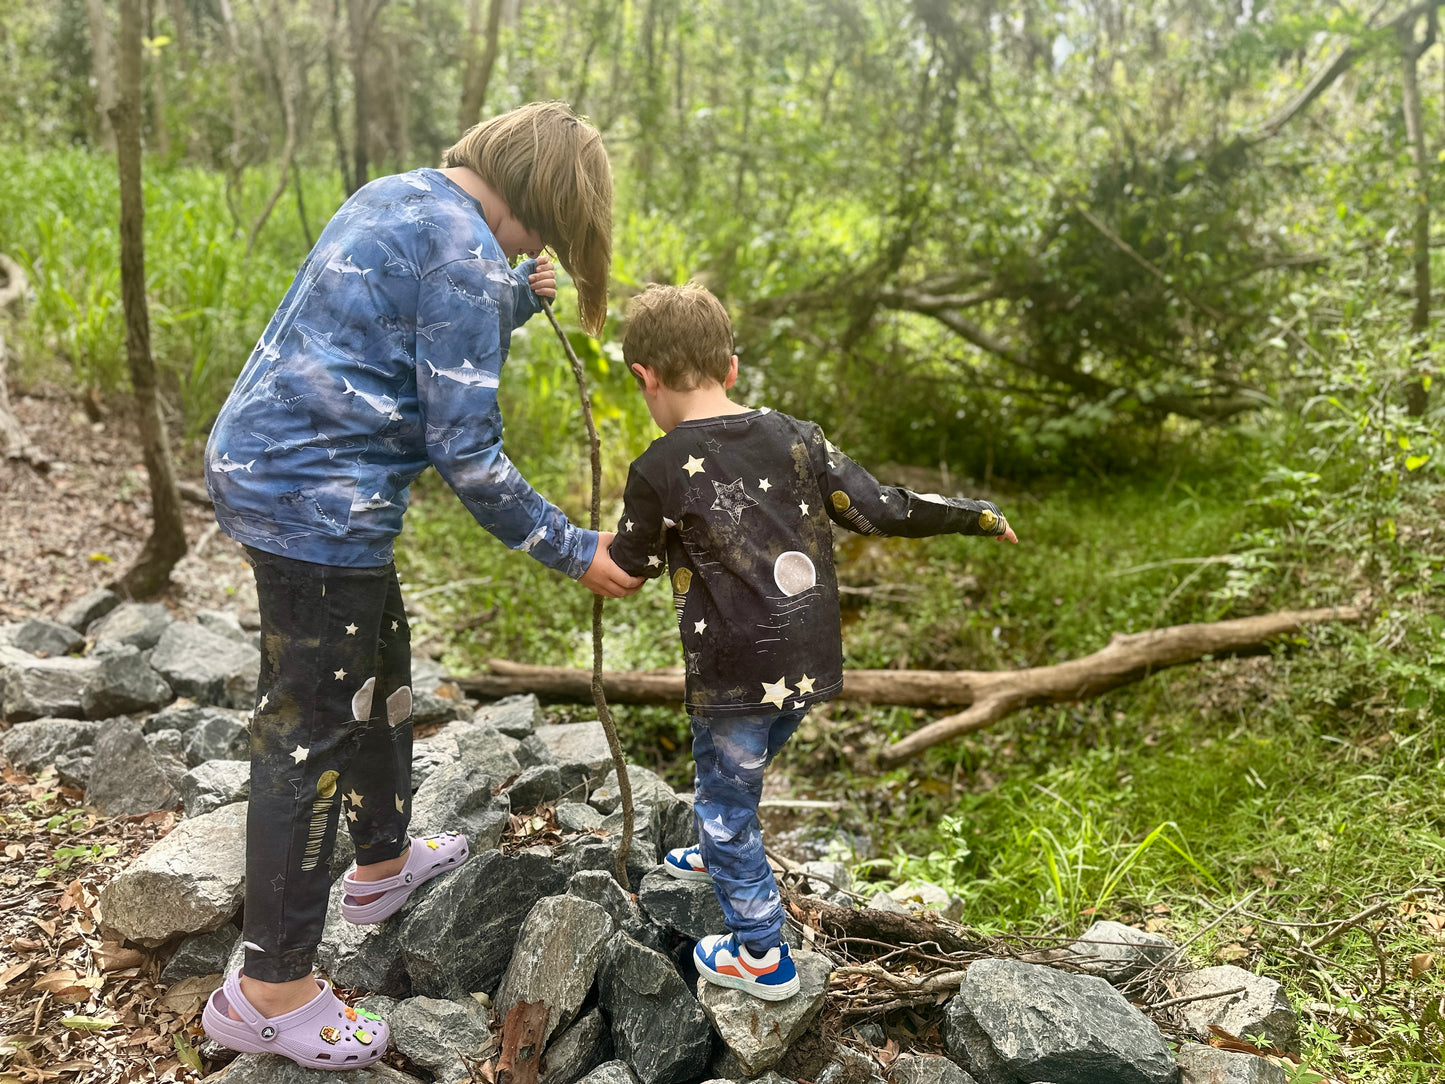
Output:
x,y
857,501
535,280
639,547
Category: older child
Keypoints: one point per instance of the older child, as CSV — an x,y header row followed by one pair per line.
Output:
x,y
383,359
740,504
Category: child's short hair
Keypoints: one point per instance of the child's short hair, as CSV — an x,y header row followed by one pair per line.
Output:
x,y
681,333
551,168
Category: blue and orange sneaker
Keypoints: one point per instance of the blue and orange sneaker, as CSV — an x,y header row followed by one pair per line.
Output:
x,y
722,960
686,864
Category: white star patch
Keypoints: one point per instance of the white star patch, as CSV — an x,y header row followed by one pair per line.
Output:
x,y
775,691
339,674
627,526
265,699
700,627
351,815
732,499
803,507
764,484
400,805
354,798
350,630
300,753
805,685
692,466
883,497
799,705
395,625
654,561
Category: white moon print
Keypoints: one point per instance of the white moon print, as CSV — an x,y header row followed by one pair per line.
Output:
x,y
794,573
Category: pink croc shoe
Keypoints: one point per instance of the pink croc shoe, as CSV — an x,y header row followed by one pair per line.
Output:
x,y
325,1033
427,858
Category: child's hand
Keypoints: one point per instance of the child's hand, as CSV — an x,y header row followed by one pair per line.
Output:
x,y
603,577
1007,536
544,280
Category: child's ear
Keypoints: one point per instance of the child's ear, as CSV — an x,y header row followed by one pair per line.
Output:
x,y
732,377
646,377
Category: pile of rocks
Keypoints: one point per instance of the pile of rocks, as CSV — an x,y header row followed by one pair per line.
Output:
x,y
535,915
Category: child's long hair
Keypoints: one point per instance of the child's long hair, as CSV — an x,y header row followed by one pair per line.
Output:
x,y
551,168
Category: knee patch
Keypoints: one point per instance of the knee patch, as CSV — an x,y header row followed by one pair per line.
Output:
x,y
398,706
361,701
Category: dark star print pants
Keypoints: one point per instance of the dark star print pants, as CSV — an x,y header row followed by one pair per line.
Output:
x,y
331,736
730,755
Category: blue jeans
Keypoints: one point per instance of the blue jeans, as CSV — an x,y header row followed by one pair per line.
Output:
x,y
730,754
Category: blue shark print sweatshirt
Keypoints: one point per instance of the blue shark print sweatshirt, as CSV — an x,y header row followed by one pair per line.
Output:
x,y
383,358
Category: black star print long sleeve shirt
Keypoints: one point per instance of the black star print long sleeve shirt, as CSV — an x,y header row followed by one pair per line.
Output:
x,y
738,510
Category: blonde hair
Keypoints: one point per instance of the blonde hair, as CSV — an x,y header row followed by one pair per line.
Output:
x,y
551,168
681,333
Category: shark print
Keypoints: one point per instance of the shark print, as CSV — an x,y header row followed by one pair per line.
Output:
x,y
382,404
397,260
271,445
370,504
429,333
249,534
225,465
439,435
467,375
348,267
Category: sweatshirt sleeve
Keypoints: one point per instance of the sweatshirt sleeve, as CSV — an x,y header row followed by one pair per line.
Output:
x,y
857,501
640,548
458,369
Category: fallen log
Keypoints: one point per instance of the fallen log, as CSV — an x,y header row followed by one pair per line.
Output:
x,y
988,695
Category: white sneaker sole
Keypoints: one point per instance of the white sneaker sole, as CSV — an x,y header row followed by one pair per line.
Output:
x,y
747,986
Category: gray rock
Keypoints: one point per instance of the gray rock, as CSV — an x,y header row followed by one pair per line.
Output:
x,y
202,954
207,667
758,1033
167,743
576,817
1205,1065
458,798
428,708
41,636
183,716
428,755
601,887
484,746
514,716
274,1069
128,776
1261,1009
686,907
426,674
191,881
848,1066
578,1050
922,896
658,1027
611,1072
221,736
599,852
1015,1021
1117,952
213,784
442,1036
124,682
532,752
927,1069
576,776
831,881
367,957
882,901
34,745
139,624
223,624
535,786
648,788
555,958
32,688
88,608
73,769
379,1005
580,743
459,938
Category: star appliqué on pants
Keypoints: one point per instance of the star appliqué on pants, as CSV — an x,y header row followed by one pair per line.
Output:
x,y
300,753
350,630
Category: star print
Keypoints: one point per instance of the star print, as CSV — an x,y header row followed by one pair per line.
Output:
x,y
732,499
799,705
805,685
350,630
300,753
354,798
692,494
712,445
265,699
700,627
774,691
339,674
803,507
654,561
278,882
692,466
694,662
764,484
627,526
395,625
400,805
351,815
883,497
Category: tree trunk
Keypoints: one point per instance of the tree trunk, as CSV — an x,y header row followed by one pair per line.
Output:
x,y
167,542
1416,398
991,694
479,67
279,54
102,68
15,443
333,96
360,15
160,137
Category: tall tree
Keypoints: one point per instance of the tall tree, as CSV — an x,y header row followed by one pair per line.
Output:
x,y
102,67
479,64
167,542
1410,52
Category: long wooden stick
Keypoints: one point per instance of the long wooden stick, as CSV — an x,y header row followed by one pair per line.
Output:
x,y
599,695
989,694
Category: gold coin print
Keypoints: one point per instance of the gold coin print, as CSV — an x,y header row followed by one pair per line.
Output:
x,y
987,520
682,580
326,785
840,500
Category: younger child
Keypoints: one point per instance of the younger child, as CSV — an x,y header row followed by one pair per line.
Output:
x,y
740,503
